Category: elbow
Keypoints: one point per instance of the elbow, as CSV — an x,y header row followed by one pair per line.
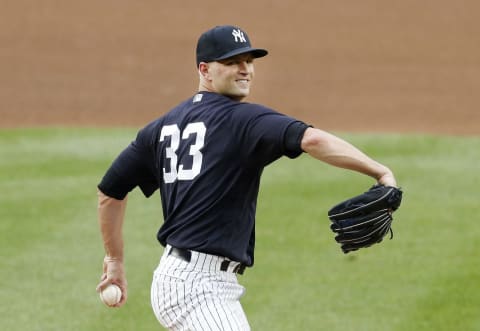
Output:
x,y
106,200
313,139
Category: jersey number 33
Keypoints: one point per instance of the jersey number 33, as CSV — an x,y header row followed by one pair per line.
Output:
x,y
178,171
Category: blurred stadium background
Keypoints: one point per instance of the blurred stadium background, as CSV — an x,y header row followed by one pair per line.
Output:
x,y
400,79
343,65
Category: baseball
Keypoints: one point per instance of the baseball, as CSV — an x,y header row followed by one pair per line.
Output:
x,y
111,295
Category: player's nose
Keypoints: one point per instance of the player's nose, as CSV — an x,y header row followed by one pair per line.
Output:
x,y
245,67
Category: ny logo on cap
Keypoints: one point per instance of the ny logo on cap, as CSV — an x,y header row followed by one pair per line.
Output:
x,y
239,37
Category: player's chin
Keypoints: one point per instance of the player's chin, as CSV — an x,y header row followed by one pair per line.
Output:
x,y
243,91
238,95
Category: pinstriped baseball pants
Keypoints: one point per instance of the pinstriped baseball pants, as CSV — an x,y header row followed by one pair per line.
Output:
x,y
196,295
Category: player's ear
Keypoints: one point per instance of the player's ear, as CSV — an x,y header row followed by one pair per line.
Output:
x,y
203,70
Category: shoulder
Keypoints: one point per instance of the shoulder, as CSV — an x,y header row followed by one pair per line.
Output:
x,y
255,107
151,131
256,113
249,111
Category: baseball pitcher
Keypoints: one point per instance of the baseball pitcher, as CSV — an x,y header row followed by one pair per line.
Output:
x,y
206,157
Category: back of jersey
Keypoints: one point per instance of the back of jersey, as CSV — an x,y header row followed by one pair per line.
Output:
x,y
210,154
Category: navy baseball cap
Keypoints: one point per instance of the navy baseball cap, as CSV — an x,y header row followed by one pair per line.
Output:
x,y
223,42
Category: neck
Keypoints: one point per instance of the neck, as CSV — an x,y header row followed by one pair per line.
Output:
x,y
203,88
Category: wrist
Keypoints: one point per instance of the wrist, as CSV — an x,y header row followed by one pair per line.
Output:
x,y
387,179
110,258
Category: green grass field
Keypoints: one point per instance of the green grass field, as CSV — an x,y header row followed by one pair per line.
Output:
x,y
426,278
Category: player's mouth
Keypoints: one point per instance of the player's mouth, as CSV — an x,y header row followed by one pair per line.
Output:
x,y
243,82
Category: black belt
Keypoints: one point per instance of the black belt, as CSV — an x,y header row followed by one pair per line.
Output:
x,y
186,256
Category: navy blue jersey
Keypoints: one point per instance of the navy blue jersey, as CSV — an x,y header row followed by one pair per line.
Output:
x,y
206,155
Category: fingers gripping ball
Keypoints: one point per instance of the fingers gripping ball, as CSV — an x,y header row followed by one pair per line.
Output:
x,y
365,219
111,295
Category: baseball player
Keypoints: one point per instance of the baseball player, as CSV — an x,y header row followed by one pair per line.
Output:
x,y
206,157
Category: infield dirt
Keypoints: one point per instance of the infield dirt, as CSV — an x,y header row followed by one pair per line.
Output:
x,y
402,66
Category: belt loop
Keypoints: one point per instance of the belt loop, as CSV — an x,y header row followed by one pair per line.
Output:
x,y
183,254
224,265
239,269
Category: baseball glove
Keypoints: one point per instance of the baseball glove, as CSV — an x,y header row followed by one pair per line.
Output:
x,y
365,219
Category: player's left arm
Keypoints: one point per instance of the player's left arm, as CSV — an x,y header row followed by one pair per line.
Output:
x,y
111,213
338,152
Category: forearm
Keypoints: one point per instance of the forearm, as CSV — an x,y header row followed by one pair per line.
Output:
x,y
111,213
337,152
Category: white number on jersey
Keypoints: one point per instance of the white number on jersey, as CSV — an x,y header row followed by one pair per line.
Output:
x,y
172,131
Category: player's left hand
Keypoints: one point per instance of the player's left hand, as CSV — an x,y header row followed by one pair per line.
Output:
x,y
387,180
365,219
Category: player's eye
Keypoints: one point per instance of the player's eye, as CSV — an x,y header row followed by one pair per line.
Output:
x,y
228,62
237,61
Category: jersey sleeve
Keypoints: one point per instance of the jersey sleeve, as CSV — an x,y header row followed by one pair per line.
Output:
x,y
270,134
130,169
293,138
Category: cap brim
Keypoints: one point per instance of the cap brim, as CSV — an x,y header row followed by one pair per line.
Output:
x,y
256,52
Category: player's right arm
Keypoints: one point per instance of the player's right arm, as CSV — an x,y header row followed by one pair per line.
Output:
x,y
338,152
111,213
130,169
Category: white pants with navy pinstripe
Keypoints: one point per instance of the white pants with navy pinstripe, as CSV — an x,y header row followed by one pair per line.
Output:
x,y
196,295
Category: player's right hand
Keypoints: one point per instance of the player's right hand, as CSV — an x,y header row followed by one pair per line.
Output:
x,y
113,273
